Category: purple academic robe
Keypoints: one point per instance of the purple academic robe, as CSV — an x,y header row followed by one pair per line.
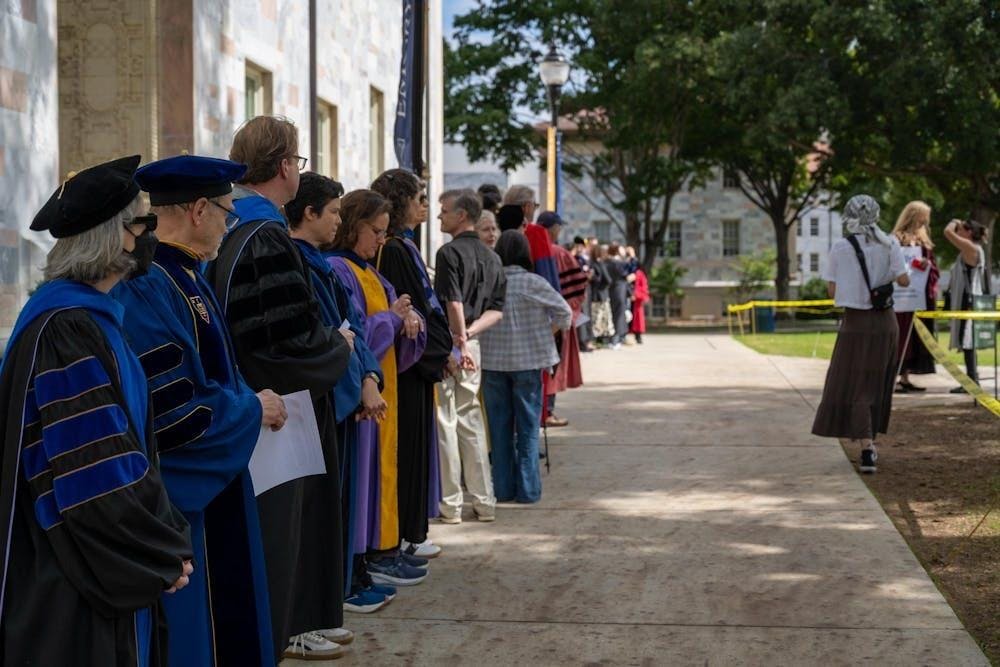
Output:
x,y
382,331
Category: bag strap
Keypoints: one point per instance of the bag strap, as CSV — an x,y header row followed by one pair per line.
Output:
x,y
853,240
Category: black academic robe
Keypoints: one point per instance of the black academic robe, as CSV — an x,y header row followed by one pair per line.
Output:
x,y
281,343
81,569
397,264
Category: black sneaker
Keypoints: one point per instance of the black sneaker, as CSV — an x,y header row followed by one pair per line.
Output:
x,y
868,459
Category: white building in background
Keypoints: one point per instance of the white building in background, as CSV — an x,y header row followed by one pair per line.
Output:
x,y
815,234
82,82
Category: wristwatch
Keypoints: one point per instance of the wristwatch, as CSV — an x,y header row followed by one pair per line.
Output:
x,y
373,375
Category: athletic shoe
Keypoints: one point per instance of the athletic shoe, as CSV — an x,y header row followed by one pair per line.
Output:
x,y
365,602
341,636
556,422
396,572
425,549
381,589
616,346
413,561
450,519
868,459
486,518
312,646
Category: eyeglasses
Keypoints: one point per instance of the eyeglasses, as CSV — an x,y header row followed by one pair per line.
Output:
x,y
231,218
379,233
148,221
302,161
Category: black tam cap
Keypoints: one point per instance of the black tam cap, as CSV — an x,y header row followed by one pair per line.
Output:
x,y
89,198
187,178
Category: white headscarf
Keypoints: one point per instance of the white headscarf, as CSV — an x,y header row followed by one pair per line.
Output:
x,y
861,217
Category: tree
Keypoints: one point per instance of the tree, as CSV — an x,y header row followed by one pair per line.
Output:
x,y
641,77
754,273
776,97
921,82
665,281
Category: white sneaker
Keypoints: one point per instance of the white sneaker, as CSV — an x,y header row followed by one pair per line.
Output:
x,y
425,549
341,636
312,646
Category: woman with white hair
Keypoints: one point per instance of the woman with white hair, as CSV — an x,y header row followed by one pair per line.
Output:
x,y
857,396
93,540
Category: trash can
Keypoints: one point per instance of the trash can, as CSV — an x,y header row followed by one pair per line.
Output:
x,y
765,319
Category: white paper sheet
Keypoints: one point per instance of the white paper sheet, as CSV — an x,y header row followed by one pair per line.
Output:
x,y
293,452
914,297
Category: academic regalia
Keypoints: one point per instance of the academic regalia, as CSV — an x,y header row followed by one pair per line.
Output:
x,y
573,288
401,264
281,343
207,421
372,296
540,246
335,307
640,295
91,541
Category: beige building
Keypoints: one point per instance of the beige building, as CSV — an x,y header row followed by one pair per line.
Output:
x,y
84,81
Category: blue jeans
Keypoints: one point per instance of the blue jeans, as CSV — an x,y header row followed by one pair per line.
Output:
x,y
514,411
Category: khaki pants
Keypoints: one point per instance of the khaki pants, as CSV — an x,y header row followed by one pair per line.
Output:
x,y
462,442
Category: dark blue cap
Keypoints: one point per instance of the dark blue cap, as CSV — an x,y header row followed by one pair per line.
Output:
x,y
186,178
89,198
549,219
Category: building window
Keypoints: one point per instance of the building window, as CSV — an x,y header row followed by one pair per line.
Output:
x,y
602,230
730,178
326,144
730,238
813,262
813,226
257,91
798,262
659,308
798,228
674,304
376,133
673,243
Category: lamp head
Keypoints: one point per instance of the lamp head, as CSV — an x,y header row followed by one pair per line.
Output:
x,y
554,68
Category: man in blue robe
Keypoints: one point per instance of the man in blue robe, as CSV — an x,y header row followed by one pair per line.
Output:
x,y
206,418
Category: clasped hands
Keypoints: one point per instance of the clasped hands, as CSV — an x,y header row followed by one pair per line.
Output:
x,y
413,324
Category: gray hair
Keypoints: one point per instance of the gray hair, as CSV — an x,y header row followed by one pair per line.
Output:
x,y
487,215
466,200
95,254
519,195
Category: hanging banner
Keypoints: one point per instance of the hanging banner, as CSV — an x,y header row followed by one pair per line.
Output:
x,y
405,107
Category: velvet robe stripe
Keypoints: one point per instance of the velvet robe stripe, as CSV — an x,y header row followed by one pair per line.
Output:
x,y
207,422
91,538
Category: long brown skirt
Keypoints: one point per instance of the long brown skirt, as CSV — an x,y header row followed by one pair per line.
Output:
x,y
857,396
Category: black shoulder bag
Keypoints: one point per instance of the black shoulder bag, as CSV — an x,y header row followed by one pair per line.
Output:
x,y
881,295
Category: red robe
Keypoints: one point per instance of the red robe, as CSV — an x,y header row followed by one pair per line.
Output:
x,y
573,287
640,296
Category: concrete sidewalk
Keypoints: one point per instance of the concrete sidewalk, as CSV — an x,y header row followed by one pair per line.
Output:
x,y
689,519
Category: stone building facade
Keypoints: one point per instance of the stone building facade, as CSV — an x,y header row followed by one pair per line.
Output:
x,y
83,81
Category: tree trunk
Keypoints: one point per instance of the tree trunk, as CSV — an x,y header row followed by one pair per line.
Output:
x,y
782,276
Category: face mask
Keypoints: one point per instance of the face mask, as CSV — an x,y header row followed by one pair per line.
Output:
x,y
145,246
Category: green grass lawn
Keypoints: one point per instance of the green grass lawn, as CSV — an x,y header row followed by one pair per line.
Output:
x,y
819,345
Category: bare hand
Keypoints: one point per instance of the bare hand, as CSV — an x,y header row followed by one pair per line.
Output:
x,y
468,363
186,569
413,324
452,368
373,406
401,306
273,412
348,336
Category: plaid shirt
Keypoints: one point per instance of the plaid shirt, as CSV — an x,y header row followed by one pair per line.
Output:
x,y
523,340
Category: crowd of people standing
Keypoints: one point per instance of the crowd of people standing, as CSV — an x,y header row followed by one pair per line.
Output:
x,y
168,336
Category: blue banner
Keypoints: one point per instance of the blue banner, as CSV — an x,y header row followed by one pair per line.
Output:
x,y
403,130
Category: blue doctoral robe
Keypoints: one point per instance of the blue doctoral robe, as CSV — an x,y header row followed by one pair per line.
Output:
x,y
207,420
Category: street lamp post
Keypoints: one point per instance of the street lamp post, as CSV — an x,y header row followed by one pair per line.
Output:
x,y
554,70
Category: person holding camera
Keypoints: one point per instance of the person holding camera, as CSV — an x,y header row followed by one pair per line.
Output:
x,y
857,395
968,279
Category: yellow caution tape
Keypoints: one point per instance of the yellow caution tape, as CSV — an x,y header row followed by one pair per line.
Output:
x,y
941,356
958,315
737,308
